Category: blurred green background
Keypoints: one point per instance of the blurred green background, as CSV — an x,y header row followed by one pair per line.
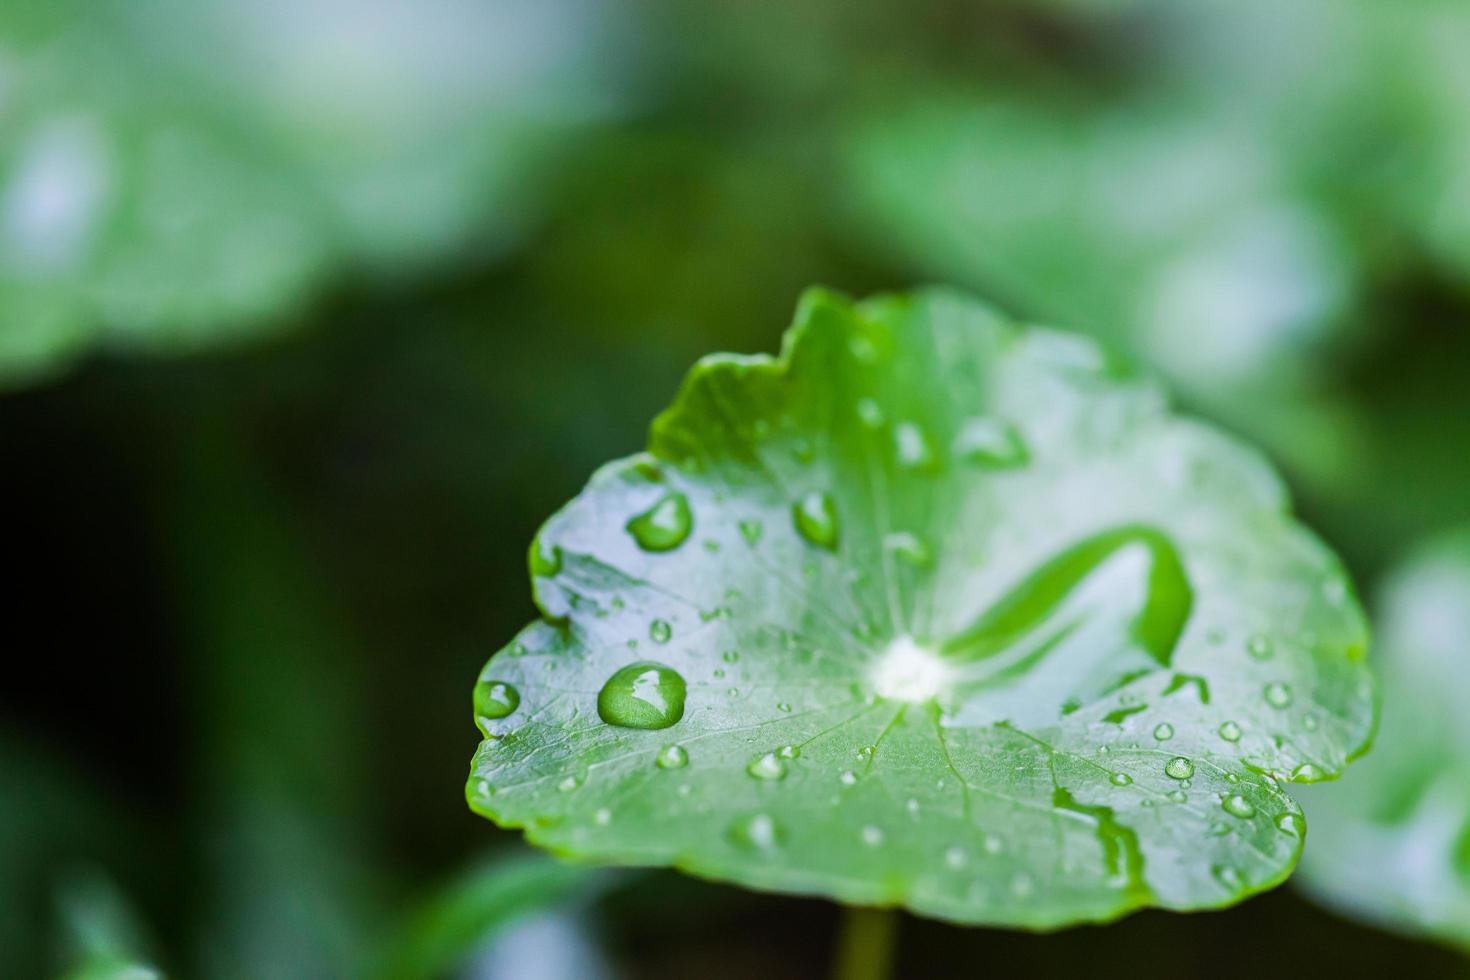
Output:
x,y
312,310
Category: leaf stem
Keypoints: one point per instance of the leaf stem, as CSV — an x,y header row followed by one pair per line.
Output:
x,y
865,944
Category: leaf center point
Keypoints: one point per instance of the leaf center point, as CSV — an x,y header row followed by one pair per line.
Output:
x,y
909,672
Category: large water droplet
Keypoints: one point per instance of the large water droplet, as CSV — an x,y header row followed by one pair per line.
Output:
x,y
815,517
768,767
1239,806
672,757
992,442
665,525
642,695
495,699
1278,695
1179,768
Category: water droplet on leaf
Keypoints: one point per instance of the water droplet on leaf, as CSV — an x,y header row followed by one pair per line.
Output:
x,y
642,695
672,757
815,518
1239,806
665,525
990,442
495,699
912,447
768,767
1179,768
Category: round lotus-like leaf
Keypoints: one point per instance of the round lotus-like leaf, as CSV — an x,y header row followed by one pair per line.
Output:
x,y
935,611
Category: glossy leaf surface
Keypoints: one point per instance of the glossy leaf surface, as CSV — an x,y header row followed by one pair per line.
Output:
x,y
963,619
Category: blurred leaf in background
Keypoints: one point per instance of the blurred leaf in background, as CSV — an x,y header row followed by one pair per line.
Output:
x,y
1224,191
175,174
1392,844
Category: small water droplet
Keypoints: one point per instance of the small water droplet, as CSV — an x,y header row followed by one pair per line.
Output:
x,y
912,447
665,525
1179,768
642,695
1230,731
1177,796
758,831
848,777
1022,885
730,656
517,649
909,547
1308,773
992,442
495,699
783,706
1231,777
1309,722
569,784
1121,779
1260,647
870,412
865,753
1239,806
672,757
1278,695
872,836
1227,876
993,844
659,631
1164,731
955,857
815,518
768,767
602,817
1290,823
751,531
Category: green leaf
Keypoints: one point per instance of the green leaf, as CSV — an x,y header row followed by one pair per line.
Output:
x,y
1392,844
965,621
175,176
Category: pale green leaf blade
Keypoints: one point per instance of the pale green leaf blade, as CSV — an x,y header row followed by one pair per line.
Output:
x,y
945,599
